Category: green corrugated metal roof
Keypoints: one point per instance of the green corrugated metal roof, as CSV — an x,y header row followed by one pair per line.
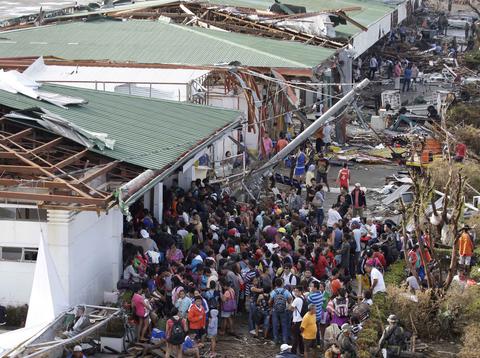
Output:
x,y
371,11
148,132
156,42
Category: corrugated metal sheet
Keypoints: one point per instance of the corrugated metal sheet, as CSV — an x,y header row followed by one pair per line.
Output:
x,y
149,133
157,42
371,11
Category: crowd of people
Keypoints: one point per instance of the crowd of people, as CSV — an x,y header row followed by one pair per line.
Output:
x,y
302,279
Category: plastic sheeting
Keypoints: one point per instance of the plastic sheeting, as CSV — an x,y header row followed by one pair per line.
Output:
x,y
64,128
48,298
47,301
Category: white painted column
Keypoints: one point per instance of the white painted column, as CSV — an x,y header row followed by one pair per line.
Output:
x,y
57,239
158,201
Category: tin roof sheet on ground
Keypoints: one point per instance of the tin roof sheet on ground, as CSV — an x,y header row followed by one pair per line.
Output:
x,y
149,133
156,42
371,11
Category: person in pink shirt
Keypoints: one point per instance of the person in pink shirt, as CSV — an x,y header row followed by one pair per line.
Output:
x,y
397,73
139,306
267,145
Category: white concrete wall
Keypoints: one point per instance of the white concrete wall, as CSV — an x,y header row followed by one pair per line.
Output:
x,y
16,277
239,103
87,251
366,39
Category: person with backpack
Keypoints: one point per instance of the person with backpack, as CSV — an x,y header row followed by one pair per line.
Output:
x,y
299,309
176,331
340,308
279,298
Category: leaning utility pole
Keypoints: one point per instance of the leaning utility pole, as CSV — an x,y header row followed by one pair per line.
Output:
x,y
310,130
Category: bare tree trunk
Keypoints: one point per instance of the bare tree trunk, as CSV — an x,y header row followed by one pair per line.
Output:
x,y
458,211
404,234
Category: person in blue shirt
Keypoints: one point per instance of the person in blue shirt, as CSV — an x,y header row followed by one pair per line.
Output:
x,y
190,347
407,78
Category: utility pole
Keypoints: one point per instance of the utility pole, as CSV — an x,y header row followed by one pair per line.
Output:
x,y
310,130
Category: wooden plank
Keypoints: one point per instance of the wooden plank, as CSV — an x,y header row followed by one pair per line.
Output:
x,y
105,169
69,160
51,198
23,169
16,136
41,184
46,146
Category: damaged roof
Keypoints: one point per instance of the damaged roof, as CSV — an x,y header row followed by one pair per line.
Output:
x,y
371,10
150,133
150,42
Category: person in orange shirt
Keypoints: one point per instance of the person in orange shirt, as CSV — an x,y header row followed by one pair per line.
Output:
x,y
197,318
281,143
465,248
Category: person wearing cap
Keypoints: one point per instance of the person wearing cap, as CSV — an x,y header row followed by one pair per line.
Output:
x,y
146,242
358,201
309,331
285,352
346,342
392,342
77,352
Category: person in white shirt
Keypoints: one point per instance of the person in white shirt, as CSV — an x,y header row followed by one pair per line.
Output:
x,y
373,65
376,278
371,229
327,135
296,307
333,216
289,279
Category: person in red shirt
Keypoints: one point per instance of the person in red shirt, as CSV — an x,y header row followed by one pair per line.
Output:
x,y
343,178
379,255
320,264
460,152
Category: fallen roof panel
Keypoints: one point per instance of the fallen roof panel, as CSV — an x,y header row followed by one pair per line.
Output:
x,y
149,133
156,42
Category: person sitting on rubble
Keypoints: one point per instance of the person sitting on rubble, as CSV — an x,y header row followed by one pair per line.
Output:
x,y
393,340
79,323
402,118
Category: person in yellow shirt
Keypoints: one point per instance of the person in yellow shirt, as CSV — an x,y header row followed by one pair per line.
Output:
x,y
309,331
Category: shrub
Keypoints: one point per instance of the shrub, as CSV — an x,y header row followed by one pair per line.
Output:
x,y
396,274
464,113
470,341
469,136
439,172
472,59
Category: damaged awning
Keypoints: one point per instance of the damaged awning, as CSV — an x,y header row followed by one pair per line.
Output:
x,y
58,125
